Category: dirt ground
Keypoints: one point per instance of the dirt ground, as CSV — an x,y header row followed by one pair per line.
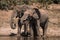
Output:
x,y
53,26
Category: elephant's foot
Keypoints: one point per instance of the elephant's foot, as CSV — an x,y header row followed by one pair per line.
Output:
x,y
36,35
12,34
44,36
29,34
18,34
26,34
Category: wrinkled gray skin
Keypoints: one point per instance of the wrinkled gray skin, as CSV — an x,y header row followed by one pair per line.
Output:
x,y
18,14
42,21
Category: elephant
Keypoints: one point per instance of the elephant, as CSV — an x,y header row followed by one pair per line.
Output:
x,y
33,17
16,18
41,19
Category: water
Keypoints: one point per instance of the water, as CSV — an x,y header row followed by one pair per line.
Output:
x,y
27,38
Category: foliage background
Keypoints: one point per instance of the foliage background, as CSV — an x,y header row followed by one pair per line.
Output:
x,y
8,4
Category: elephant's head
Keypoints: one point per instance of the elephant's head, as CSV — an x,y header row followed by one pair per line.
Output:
x,y
30,13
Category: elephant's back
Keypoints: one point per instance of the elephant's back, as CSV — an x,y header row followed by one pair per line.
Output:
x,y
43,15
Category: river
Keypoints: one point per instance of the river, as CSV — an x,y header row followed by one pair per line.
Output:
x,y
27,38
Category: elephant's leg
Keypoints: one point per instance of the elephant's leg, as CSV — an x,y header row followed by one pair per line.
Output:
x,y
38,27
18,31
45,29
19,27
25,28
28,28
44,32
35,33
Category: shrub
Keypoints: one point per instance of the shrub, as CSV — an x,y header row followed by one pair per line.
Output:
x,y
6,4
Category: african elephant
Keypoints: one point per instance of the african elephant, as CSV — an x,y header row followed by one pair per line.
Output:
x,y
41,19
34,16
17,17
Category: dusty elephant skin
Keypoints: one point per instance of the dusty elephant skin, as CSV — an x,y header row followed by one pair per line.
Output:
x,y
37,18
41,18
18,13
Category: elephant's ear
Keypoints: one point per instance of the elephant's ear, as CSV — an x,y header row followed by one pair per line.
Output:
x,y
37,12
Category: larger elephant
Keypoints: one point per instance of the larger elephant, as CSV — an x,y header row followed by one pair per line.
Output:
x,y
35,15
41,18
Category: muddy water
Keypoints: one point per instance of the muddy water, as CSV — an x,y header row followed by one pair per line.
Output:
x,y
28,38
